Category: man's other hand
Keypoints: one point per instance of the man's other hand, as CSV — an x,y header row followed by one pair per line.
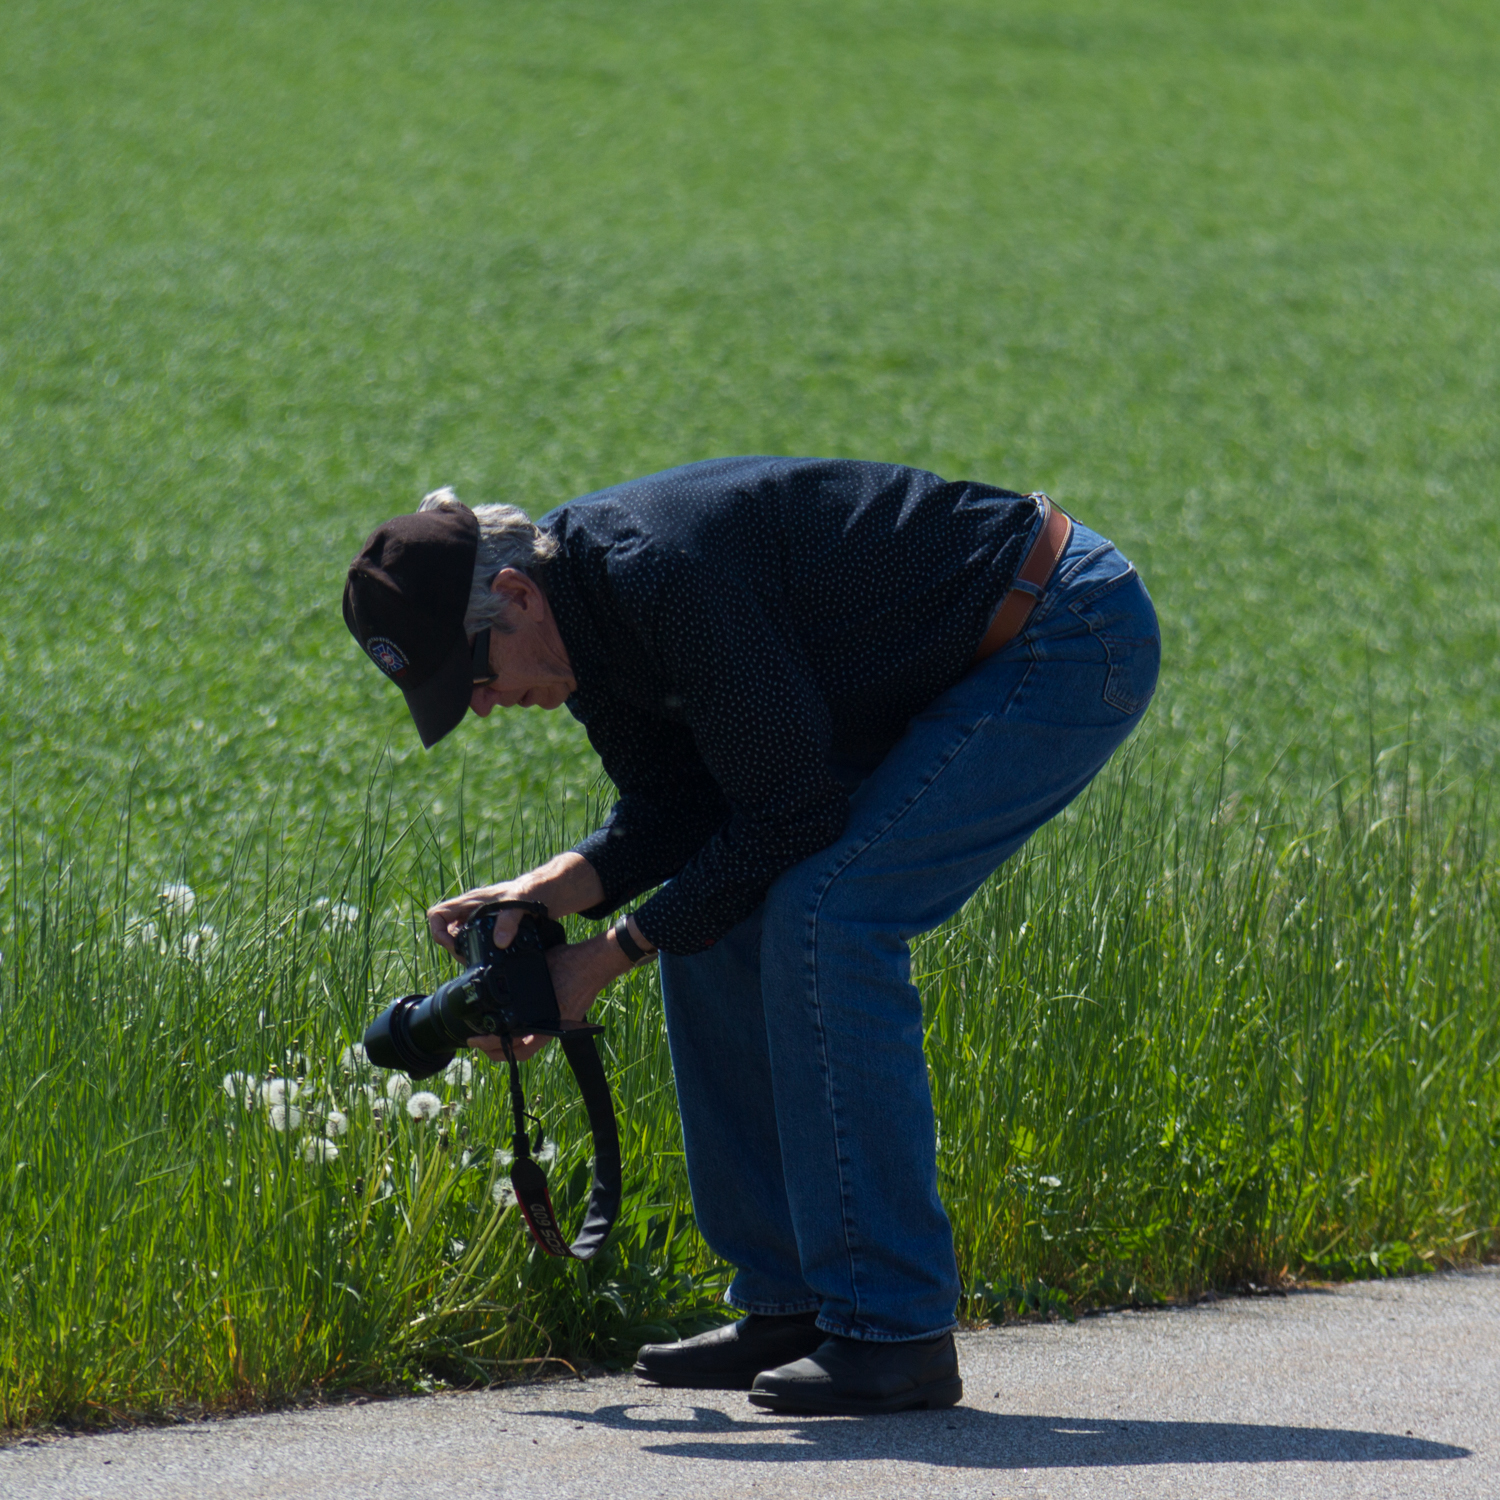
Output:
x,y
579,972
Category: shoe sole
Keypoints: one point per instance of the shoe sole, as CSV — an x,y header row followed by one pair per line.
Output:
x,y
931,1397
697,1382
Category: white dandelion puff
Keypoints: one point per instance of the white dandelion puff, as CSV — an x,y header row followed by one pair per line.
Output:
x,y
202,944
285,1117
279,1090
503,1194
244,1087
178,900
338,913
547,1154
354,1058
337,1123
1050,1181
424,1106
143,934
398,1088
458,1072
314,1149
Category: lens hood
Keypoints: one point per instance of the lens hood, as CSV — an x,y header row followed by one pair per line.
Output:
x,y
389,1042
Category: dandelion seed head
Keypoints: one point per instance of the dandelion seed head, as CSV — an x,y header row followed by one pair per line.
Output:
x,y
337,1123
503,1194
1051,1181
285,1117
458,1072
354,1058
279,1090
398,1088
547,1154
315,1149
424,1106
243,1087
337,913
178,900
142,934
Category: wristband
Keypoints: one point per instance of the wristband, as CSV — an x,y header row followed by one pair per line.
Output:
x,y
629,947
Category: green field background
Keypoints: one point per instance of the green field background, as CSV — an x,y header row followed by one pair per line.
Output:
x,y
1223,279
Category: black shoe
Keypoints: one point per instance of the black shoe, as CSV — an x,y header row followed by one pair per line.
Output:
x,y
729,1358
853,1377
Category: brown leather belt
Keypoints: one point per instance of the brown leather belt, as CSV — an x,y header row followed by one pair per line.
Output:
x,y
1036,569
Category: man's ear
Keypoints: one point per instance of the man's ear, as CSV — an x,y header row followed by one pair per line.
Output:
x,y
519,592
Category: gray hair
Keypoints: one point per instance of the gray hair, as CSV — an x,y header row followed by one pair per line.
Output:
x,y
508,538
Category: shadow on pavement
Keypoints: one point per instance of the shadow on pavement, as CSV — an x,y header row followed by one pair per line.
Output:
x,y
963,1438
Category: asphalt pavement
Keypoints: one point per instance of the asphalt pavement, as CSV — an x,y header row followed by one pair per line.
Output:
x,y
1380,1389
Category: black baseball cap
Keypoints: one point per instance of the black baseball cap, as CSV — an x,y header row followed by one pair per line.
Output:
x,y
404,602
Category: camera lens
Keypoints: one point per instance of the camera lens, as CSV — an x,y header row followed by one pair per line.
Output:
x,y
400,1037
421,1033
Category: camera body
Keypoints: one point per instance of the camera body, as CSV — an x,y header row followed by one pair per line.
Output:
x,y
502,992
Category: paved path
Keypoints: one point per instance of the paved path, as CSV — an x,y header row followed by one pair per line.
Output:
x,y
1382,1389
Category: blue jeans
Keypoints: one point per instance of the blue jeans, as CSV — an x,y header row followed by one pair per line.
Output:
x,y
797,1038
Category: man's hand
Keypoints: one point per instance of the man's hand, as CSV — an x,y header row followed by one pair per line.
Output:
x,y
563,885
579,972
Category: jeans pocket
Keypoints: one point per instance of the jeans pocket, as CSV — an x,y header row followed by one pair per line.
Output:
x,y
1120,616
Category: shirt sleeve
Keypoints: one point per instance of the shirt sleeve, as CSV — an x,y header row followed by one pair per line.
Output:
x,y
669,804
761,729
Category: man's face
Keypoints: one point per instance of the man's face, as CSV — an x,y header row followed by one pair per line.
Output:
x,y
530,664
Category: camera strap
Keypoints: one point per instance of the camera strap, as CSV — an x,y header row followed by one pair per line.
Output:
x,y
529,1180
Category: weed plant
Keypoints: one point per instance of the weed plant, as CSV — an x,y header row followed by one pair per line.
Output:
x,y
1168,1051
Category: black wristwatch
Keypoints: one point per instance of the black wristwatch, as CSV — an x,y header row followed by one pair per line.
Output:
x,y
629,947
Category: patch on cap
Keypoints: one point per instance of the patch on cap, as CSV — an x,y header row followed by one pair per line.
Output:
x,y
387,655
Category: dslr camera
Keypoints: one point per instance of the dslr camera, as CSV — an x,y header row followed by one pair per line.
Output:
x,y
505,992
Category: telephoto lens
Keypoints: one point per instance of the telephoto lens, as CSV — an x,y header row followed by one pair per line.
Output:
x,y
420,1034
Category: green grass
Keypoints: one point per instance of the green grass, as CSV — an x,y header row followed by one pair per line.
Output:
x,y
169,1238
1221,278
1168,1052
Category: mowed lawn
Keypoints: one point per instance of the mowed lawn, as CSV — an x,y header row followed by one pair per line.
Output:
x,y
1223,279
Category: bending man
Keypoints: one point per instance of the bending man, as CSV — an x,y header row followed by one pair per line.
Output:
x,y
833,697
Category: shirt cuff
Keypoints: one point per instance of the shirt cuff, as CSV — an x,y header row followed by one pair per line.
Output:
x,y
610,859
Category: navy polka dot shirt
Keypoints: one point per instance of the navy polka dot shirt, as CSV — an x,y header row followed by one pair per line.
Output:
x,y
737,628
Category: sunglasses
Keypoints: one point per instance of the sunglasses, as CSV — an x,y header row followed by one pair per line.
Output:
x,y
479,664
